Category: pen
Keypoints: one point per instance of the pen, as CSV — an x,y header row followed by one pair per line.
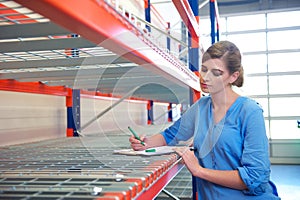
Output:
x,y
193,149
135,135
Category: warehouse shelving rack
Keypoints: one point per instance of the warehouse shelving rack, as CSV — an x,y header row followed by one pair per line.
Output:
x,y
44,50
103,26
67,169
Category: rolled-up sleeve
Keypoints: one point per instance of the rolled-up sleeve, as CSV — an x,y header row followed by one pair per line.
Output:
x,y
170,133
255,164
183,129
256,180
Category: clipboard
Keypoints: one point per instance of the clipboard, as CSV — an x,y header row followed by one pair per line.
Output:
x,y
153,151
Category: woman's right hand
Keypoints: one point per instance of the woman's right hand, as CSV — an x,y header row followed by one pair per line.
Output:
x,y
137,144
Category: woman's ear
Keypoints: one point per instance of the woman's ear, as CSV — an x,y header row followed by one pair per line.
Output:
x,y
234,77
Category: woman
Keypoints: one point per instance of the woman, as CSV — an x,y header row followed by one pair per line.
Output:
x,y
231,159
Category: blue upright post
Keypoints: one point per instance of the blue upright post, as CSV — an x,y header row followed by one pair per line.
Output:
x,y
217,20
76,111
148,19
150,112
147,13
73,113
212,21
74,51
168,38
193,44
170,113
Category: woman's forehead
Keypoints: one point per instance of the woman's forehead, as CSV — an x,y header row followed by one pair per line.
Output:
x,y
214,63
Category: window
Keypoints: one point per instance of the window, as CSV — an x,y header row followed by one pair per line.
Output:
x,y
284,129
283,19
246,43
255,85
247,22
255,63
284,114
285,107
271,59
279,40
285,84
205,31
279,62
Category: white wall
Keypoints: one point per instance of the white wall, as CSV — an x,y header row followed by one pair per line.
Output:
x,y
160,113
285,151
28,117
127,113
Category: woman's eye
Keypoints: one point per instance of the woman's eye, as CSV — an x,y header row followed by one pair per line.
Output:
x,y
203,69
217,72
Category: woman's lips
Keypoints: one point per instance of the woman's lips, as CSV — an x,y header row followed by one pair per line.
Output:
x,y
203,85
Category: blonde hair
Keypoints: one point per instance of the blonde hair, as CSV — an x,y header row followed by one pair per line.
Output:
x,y
230,54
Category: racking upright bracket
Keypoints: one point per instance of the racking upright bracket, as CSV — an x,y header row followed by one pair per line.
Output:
x,y
187,17
101,24
214,20
188,11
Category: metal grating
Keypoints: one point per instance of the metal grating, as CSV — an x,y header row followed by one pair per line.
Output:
x,y
54,54
180,186
14,13
71,168
59,48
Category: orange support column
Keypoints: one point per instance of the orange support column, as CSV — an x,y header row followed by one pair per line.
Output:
x,y
196,94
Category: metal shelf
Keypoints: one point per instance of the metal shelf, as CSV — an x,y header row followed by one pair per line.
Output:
x,y
35,48
73,167
41,48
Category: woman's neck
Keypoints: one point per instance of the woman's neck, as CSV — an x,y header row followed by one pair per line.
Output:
x,y
223,100
221,103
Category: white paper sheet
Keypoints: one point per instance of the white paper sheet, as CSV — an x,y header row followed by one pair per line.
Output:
x,y
158,151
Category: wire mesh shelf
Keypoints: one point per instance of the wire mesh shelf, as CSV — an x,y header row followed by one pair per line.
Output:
x,y
70,168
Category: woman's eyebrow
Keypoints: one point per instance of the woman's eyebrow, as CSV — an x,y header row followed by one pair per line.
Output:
x,y
217,69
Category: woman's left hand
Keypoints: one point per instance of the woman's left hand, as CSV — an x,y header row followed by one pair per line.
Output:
x,y
189,159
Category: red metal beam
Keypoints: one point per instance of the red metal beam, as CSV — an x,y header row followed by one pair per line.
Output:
x,y
158,186
187,16
33,87
103,25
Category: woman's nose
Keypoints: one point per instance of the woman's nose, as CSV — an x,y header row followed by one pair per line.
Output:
x,y
205,75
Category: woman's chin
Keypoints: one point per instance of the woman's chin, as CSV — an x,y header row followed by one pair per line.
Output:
x,y
204,89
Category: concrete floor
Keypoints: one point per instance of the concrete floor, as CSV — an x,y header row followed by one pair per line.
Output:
x,y
287,180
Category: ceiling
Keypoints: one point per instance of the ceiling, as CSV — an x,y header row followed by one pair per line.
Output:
x,y
240,6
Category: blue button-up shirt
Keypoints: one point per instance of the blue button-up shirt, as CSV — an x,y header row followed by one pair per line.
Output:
x,y
237,142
